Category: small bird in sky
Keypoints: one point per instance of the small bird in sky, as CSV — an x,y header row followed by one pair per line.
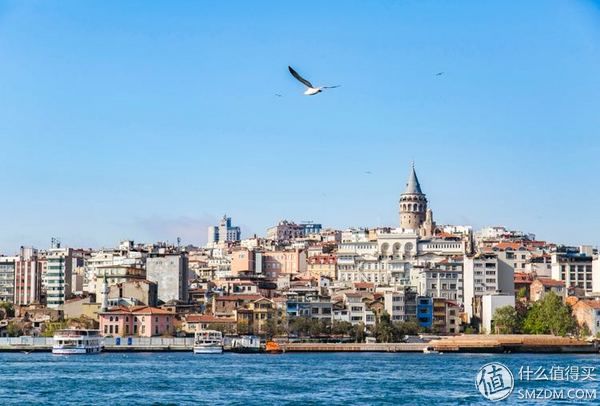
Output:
x,y
278,95
311,90
439,74
368,172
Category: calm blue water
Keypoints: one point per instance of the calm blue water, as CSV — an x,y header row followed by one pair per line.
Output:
x,y
237,379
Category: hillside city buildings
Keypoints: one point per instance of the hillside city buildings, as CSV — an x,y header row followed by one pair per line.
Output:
x,y
443,277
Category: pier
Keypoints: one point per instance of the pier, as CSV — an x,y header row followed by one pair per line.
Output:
x,y
461,343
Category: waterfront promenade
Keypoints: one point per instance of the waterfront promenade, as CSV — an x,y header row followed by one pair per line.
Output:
x,y
462,343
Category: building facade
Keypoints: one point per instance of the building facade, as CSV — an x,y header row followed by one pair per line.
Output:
x,y
28,277
170,272
7,279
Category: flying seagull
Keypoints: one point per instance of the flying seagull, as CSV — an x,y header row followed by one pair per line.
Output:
x,y
439,74
278,95
311,90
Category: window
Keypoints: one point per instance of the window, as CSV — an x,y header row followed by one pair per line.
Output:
x,y
143,329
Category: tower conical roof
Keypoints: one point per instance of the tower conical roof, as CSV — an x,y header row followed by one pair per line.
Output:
x,y
413,186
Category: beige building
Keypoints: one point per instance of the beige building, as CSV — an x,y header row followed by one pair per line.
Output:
x,y
575,269
133,293
77,307
116,274
276,263
588,312
242,261
540,286
322,265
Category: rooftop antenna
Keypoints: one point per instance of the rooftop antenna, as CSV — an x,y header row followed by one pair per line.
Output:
x,y
54,242
178,242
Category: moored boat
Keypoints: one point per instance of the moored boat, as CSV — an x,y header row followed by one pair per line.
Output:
x,y
208,342
246,344
77,341
273,348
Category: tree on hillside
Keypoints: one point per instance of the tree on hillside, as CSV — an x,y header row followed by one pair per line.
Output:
x,y
341,328
358,333
384,330
8,310
407,328
506,320
550,316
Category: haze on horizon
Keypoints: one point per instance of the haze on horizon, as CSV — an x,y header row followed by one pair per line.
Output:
x,y
150,120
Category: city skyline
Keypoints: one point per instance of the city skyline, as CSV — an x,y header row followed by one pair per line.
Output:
x,y
148,122
412,187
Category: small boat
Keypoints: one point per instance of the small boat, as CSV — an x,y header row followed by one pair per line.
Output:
x,y
426,350
246,344
77,341
273,348
208,342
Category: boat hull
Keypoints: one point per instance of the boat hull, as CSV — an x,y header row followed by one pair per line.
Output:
x,y
216,349
76,351
246,350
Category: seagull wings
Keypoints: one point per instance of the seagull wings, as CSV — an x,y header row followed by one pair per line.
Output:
x,y
300,78
331,87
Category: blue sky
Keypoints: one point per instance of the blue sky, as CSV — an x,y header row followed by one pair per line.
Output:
x,y
149,120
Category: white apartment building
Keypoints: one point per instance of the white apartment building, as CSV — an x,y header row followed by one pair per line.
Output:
x,y
7,278
59,274
483,275
441,281
575,269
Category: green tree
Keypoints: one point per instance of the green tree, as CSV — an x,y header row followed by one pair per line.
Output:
x,y
385,331
225,328
358,333
550,316
51,328
243,327
299,326
506,320
522,293
317,327
404,328
271,328
584,331
9,310
341,328
14,329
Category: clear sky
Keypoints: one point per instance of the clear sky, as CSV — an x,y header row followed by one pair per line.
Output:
x,y
148,120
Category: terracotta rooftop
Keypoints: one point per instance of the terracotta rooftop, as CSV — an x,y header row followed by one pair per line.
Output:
x,y
207,318
137,310
551,282
594,304
504,245
364,285
234,298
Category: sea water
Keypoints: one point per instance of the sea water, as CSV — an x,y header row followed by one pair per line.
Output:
x,y
178,378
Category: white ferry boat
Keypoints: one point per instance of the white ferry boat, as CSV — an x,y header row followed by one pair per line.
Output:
x,y
246,344
77,341
208,342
